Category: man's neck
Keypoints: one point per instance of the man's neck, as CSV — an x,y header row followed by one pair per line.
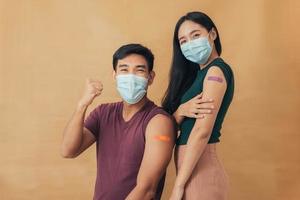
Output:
x,y
130,109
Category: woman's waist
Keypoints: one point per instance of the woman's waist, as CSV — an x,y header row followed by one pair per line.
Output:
x,y
209,148
186,132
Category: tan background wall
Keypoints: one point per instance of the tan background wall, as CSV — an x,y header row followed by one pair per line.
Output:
x,y
48,48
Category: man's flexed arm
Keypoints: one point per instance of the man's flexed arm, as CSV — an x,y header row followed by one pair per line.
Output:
x,y
160,137
76,138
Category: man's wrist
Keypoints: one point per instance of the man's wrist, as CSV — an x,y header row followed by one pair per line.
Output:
x,y
81,107
179,184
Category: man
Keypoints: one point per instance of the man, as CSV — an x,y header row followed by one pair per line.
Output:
x,y
134,138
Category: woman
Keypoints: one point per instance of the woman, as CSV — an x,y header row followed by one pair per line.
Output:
x,y
197,68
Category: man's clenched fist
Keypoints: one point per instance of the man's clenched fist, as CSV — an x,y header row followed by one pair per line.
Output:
x,y
93,88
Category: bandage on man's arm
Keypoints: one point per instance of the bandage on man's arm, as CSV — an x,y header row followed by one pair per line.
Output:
x,y
162,138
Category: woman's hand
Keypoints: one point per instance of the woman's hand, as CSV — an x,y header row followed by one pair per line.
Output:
x,y
196,107
177,193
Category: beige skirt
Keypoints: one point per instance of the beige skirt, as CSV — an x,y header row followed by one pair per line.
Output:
x,y
209,180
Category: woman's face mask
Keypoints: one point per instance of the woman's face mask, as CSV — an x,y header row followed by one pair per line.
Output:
x,y
132,88
197,50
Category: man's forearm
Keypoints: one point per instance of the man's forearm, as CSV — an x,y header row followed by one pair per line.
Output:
x,y
138,193
72,137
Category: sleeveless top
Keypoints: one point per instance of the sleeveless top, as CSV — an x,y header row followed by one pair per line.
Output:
x,y
196,88
120,147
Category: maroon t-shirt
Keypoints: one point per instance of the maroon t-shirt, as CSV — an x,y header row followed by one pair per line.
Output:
x,y
120,148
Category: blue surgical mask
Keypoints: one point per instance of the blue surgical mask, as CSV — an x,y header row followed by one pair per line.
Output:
x,y
132,88
197,50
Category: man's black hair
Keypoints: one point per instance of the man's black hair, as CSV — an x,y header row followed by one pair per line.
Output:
x,y
128,49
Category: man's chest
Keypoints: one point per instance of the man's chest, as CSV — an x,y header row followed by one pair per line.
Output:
x,y
124,143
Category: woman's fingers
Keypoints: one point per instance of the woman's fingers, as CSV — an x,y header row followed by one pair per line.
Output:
x,y
199,96
205,106
204,100
203,111
197,115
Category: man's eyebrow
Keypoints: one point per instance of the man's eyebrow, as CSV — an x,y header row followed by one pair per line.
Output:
x,y
141,66
123,65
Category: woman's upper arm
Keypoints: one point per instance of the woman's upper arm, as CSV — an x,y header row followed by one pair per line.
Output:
x,y
214,87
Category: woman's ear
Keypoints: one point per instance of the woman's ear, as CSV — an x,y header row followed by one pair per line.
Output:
x,y
213,34
151,77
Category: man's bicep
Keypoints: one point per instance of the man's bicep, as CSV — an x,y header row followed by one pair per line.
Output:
x,y
88,138
160,137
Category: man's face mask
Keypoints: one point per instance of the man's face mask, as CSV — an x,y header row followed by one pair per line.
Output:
x,y
132,88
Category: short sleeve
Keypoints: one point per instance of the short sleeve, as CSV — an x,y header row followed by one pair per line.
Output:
x,y
92,122
226,71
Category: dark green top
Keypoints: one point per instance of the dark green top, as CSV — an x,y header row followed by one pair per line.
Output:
x,y
196,88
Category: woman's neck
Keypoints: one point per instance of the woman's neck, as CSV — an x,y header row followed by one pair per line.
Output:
x,y
212,56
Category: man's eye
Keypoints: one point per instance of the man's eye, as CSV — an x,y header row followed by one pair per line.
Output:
x,y
123,70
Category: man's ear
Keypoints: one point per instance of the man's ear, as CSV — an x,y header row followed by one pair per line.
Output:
x,y
114,74
151,77
213,34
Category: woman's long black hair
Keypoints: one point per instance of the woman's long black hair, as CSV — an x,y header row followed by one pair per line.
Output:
x,y
183,72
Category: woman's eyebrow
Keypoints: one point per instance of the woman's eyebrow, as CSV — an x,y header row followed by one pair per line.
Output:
x,y
193,31
181,38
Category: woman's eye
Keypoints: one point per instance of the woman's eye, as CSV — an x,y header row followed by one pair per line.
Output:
x,y
182,41
196,36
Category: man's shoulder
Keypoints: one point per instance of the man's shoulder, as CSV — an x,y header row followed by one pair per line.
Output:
x,y
159,119
157,113
108,107
155,109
